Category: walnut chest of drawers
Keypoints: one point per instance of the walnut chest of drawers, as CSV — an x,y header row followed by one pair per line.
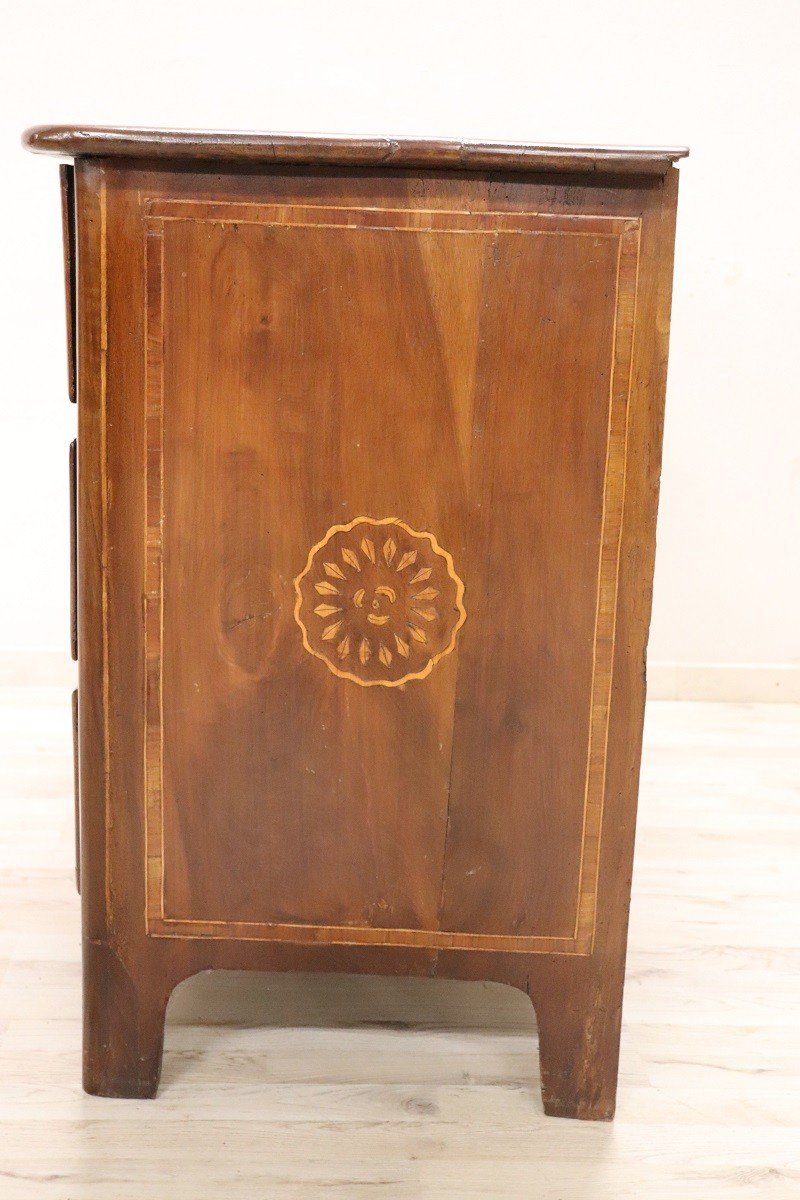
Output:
x,y
368,455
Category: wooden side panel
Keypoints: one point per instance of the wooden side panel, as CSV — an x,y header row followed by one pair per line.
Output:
x,y
470,380
133,956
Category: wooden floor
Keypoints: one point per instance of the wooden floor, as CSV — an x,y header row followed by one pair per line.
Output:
x,y
340,1087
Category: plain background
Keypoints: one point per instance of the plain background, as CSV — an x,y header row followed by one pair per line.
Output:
x,y
718,76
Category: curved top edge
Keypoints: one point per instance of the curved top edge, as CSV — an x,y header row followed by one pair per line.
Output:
x,y
98,141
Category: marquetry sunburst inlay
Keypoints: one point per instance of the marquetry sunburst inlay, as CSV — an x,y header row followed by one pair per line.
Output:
x,y
380,603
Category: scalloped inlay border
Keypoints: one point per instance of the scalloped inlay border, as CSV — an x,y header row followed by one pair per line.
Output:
x,y
378,602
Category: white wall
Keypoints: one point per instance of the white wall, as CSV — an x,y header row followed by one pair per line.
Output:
x,y
718,75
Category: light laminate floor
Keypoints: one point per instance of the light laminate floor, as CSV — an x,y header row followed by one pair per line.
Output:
x,y
305,1086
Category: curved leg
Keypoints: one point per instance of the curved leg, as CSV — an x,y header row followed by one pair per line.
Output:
x,y
579,1027
123,1026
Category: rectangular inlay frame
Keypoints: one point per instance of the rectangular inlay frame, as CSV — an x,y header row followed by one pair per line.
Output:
x,y
626,231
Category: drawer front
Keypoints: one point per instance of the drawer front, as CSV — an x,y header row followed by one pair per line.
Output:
x,y
385,458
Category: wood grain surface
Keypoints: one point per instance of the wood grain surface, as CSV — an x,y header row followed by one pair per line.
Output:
x,y
269,356
272,148
409,396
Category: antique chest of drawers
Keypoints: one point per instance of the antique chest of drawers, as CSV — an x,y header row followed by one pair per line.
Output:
x,y
368,454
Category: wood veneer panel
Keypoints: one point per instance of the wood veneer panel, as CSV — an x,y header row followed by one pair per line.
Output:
x,y
338,413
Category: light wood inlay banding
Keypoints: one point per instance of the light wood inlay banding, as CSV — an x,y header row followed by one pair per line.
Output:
x,y
388,654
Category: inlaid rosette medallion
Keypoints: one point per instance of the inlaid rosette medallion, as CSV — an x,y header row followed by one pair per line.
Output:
x,y
380,603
